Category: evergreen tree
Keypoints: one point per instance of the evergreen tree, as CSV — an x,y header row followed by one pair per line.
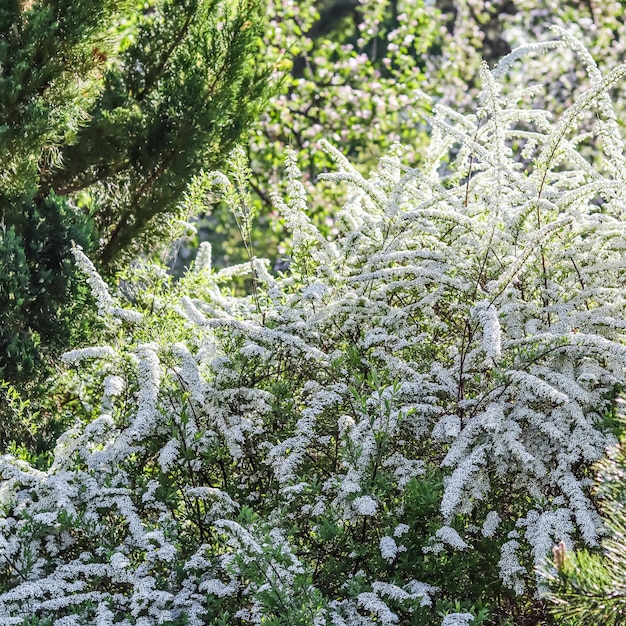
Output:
x,y
107,112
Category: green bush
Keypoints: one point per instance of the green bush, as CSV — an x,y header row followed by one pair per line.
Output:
x,y
40,295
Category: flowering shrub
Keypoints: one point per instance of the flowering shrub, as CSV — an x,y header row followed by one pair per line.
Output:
x,y
352,75
396,431
587,588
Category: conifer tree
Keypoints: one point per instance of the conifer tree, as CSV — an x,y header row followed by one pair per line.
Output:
x,y
107,112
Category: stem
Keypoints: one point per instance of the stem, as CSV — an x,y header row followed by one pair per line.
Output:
x,y
111,248
276,593
13,566
580,280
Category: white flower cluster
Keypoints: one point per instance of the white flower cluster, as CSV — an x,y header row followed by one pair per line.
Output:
x,y
488,318
106,303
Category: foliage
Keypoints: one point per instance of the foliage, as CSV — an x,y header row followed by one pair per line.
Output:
x,y
51,57
397,430
106,115
588,588
41,299
350,75
356,77
49,79
175,101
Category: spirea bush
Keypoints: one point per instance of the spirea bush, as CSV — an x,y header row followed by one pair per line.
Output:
x,y
395,431
587,588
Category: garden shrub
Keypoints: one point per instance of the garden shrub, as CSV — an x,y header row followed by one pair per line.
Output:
x,y
587,588
395,431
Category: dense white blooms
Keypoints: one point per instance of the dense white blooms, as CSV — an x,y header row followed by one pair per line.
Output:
x,y
388,548
168,456
113,386
453,348
314,291
365,505
104,300
189,374
457,619
490,524
400,530
217,587
95,352
203,260
99,288
450,537
511,570
488,318
149,375
372,603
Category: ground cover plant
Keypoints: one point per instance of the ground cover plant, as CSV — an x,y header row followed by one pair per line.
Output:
x,y
395,431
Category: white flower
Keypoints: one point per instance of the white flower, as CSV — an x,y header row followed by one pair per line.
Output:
x,y
319,508
448,535
168,455
95,352
113,385
511,571
457,619
372,603
99,288
487,315
100,291
314,291
400,530
388,548
203,258
365,505
119,561
217,588
490,524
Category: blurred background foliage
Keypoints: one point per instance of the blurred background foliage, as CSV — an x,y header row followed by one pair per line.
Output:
x,y
365,74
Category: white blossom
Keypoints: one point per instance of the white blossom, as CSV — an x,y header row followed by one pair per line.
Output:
x,y
490,524
451,537
372,603
465,323
510,569
492,336
400,530
365,505
100,291
96,352
314,291
457,619
388,548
